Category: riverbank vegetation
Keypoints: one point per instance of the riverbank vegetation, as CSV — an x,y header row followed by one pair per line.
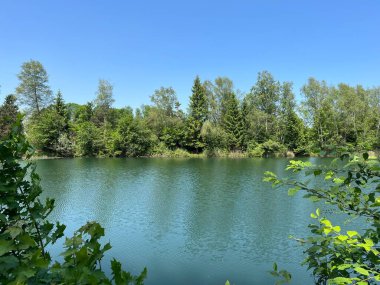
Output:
x,y
26,234
220,120
334,255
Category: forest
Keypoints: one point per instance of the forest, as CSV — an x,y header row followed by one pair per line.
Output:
x,y
220,120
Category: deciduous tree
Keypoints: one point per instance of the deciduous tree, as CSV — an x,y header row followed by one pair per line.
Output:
x,y
33,90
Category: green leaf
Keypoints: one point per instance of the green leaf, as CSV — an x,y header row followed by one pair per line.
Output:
x,y
227,283
318,212
14,231
341,280
326,231
293,191
352,233
361,271
329,175
326,222
336,229
365,156
342,237
344,266
5,246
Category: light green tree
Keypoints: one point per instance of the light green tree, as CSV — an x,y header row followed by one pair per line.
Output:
x,y
318,112
33,90
103,102
262,105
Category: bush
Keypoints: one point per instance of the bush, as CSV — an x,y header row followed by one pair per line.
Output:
x,y
334,256
25,231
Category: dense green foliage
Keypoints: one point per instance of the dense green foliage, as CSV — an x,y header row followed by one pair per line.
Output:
x,y
220,120
8,115
336,256
25,231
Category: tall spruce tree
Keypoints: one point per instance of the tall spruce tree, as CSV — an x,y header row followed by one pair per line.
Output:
x,y
290,125
60,105
198,112
8,115
232,122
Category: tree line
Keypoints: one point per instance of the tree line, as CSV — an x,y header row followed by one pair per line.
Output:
x,y
219,121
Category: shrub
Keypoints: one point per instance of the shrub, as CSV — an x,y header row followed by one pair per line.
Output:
x,y
334,256
25,231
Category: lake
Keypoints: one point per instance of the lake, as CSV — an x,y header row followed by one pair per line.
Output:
x,y
189,221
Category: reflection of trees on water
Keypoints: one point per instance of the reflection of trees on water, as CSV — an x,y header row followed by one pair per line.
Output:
x,y
164,201
209,225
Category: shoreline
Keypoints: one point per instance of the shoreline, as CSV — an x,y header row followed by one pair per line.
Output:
x,y
230,155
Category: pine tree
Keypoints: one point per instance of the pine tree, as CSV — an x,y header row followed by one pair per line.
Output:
x,y
60,105
290,125
8,115
61,110
197,116
232,122
198,102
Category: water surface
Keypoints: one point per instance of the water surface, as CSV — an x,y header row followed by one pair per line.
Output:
x,y
189,221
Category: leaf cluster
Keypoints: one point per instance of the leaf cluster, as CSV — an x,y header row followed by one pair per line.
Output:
x,y
352,188
25,231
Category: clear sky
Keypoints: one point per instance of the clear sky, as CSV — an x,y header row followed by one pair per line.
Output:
x,y
141,45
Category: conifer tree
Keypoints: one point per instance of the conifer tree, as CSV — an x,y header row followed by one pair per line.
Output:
x,y
290,125
197,116
60,106
8,115
233,122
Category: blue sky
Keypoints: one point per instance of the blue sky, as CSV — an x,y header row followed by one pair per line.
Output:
x,y
141,45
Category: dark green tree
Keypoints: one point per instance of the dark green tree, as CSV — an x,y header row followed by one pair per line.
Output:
x,y
49,130
198,112
60,106
290,125
8,115
87,139
133,137
33,90
232,122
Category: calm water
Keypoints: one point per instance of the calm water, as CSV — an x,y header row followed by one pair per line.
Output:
x,y
189,221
